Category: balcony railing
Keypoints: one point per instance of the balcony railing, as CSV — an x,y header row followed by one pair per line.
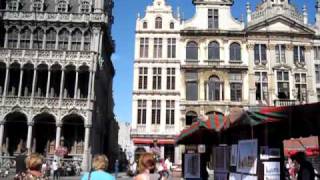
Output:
x,y
54,17
286,102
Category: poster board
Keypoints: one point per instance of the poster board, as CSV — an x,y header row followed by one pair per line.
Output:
x,y
220,176
234,155
192,165
272,170
247,156
221,158
249,177
235,176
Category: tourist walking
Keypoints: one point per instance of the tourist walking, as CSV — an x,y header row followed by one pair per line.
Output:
x,y
34,164
99,165
55,168
146,167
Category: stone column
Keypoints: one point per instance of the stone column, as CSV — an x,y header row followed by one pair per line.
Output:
x,y
1,136
89,86
48,83
29,137
6,39
85,162
58,135
177,159
61,86
20,81
5,84
75,96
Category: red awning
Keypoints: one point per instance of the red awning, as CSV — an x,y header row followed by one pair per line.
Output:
x,y
150,141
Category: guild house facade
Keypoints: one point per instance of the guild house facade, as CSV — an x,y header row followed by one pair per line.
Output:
x,y
214,63
55,68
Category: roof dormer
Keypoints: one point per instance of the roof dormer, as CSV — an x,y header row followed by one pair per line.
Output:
x,y
213,2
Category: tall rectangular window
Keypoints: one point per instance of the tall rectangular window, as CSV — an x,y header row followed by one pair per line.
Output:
x,y
318,94
261,86
156,79
235,86
213,18
142,112
157,48
191,85
317,73
171,78
317,52
170,106
301,86
143,78
280,53
171,48
298,54
144,47
260,54
283,84
156,112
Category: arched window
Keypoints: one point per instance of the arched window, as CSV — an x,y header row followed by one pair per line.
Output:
x,y
13,37
235,52
51,38
192,51
63,39
191,117
62,6
85,7
38,38
87,41
214,51
214,89
76,40
25,38
171,25
145,25
158,23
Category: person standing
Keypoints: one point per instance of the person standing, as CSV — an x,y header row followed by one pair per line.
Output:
x,y
306,170
116,168
55,168
146,167
100,165
34,164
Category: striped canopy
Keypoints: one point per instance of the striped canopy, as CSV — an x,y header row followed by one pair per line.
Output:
x,y
201,131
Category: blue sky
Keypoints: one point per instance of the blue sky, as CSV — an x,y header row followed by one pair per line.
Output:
x,y
125,13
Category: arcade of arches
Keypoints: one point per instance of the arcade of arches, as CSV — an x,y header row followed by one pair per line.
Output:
x,y
17,134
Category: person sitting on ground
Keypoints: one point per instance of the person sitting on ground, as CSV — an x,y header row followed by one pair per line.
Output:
x,y
100,165
34,164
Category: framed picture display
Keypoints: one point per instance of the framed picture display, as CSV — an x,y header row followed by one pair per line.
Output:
x,y
220,176
192,165
247,156
234,155
234,176
274,153
221,158
248,177
264,152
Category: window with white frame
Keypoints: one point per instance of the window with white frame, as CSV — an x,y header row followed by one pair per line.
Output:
x,y
142,112
191,85
213,18
25,38
317,68
192,51
85,7
87,41
63,39
261,86
172,25
76,40
171,53
298,54
280,53
62,6
13,37
213,51
317,52
235,52
170,107
214,89
171,78
145,25
260,53
144,47
13,5
51,38
38,38
143,78
235,86
283,84
157,48
301,86
37,5
156,80
156,112
158,23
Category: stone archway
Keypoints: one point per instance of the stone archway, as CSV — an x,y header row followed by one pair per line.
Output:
x,y
15,132
44,133
73,132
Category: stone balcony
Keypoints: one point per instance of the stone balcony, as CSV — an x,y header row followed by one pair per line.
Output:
x,y
54,17
154,130
49,56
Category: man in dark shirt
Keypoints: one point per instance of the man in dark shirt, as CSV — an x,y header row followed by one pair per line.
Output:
x,y
306,170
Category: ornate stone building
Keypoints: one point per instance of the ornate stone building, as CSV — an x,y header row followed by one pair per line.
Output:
x,y
223,64
54,56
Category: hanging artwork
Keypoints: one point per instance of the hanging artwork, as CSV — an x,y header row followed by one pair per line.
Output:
x,y
234,155
247,156
192,166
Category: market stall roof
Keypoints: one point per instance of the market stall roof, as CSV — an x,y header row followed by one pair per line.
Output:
x,y
204,130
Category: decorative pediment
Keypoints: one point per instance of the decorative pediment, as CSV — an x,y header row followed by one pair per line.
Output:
x,y
282,67
280,23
